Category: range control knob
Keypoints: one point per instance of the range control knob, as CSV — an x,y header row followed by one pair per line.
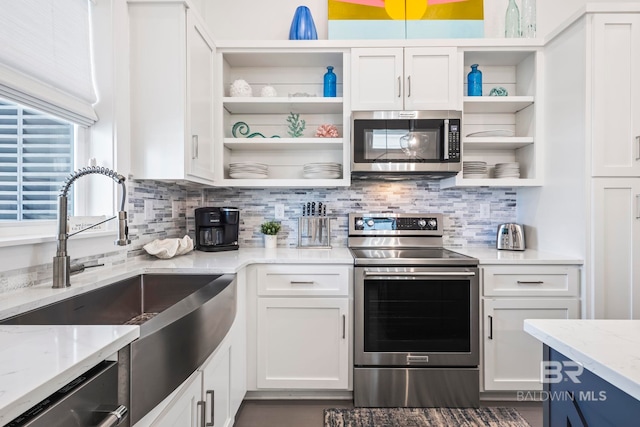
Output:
x,y
370,222
432,223
359,223
422,223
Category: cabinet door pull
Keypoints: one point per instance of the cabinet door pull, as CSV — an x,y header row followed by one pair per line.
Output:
x,y
399,87
344,326
490,327
583,419
408,86
529,282
637,147
300,282
211,393
203,412
194,143
637,206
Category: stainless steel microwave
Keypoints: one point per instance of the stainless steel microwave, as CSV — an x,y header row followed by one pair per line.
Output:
x,y
405,144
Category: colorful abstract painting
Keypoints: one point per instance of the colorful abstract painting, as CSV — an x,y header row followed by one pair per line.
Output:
x,y
400,19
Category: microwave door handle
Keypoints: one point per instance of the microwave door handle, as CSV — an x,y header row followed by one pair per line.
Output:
x,y
445,155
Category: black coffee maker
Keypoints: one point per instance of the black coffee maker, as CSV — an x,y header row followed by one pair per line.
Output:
x,y
217,229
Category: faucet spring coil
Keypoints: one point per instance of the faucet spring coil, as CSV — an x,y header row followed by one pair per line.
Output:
x,y
87,171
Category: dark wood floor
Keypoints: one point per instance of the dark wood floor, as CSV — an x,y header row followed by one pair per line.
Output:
x,y
309,413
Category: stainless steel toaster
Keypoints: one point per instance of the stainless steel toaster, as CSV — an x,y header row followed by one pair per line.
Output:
x,y
510,237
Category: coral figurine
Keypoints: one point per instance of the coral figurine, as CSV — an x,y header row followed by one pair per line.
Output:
x,y
327,131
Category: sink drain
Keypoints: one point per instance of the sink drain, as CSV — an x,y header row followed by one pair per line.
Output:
x,y
140,319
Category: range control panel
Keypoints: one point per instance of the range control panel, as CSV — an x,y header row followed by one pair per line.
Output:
x,y
395,224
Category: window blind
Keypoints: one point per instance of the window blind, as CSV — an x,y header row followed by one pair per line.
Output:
x,y
36,155
45,57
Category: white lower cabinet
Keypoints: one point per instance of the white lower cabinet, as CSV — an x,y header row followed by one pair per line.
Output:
x,y
216,389
184,410
511,357
616,248
300,329
203,398
302,343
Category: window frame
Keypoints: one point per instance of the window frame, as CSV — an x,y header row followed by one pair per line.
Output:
x,y
34,244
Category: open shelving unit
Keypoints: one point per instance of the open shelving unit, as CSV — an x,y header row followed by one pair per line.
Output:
x,y
518,71
297,77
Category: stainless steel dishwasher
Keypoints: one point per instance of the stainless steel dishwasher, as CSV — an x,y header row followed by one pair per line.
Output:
x,y
91,400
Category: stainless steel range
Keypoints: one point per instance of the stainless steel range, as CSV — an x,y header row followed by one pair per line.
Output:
x,y
416,314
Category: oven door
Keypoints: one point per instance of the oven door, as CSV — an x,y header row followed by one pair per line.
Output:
x,y
416,316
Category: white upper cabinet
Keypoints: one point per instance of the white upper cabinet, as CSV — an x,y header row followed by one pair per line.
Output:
x,y
404,79
431,77
376,81
201,54
616,95
171,93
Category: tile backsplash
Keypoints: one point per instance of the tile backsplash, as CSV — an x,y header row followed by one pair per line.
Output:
x,y
471,215
158,210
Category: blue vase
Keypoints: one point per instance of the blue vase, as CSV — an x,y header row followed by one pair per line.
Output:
x,y
302,26
474,81
330,82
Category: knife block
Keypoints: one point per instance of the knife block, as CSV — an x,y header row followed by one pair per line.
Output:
x,y
314,232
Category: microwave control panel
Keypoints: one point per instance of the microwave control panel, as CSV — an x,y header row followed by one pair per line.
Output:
x,y
454,140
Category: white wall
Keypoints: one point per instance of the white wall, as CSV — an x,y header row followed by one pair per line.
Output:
x,y
262,20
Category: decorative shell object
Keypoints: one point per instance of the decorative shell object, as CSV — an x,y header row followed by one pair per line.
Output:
x,y
327,131
268,91
498,91
240,88
168,248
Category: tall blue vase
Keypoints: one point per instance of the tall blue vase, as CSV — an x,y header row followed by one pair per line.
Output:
x,y
302,26
330,82
474,81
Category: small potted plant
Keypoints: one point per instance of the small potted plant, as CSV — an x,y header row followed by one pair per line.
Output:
x,y
270,230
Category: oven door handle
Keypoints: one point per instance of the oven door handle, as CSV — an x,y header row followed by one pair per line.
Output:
x,y
386,274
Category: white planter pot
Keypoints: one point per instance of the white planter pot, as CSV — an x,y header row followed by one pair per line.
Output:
x,y
270,242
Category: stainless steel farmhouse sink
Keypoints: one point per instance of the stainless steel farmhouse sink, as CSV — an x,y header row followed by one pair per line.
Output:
x,y
182,318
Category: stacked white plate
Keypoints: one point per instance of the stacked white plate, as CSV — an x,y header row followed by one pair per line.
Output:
x,y
322,170
507,170
248,170
474,170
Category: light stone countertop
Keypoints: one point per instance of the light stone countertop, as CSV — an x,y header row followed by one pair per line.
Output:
x,y
98,342
36,361
196,262
608,348
492,256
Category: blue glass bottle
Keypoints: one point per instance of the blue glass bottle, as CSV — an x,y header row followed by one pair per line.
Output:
x,y
330,82
302,26
474,81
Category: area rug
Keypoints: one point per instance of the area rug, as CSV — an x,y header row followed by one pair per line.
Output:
x,y
423,417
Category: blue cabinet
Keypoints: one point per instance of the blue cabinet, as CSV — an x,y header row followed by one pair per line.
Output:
x,y
574,396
